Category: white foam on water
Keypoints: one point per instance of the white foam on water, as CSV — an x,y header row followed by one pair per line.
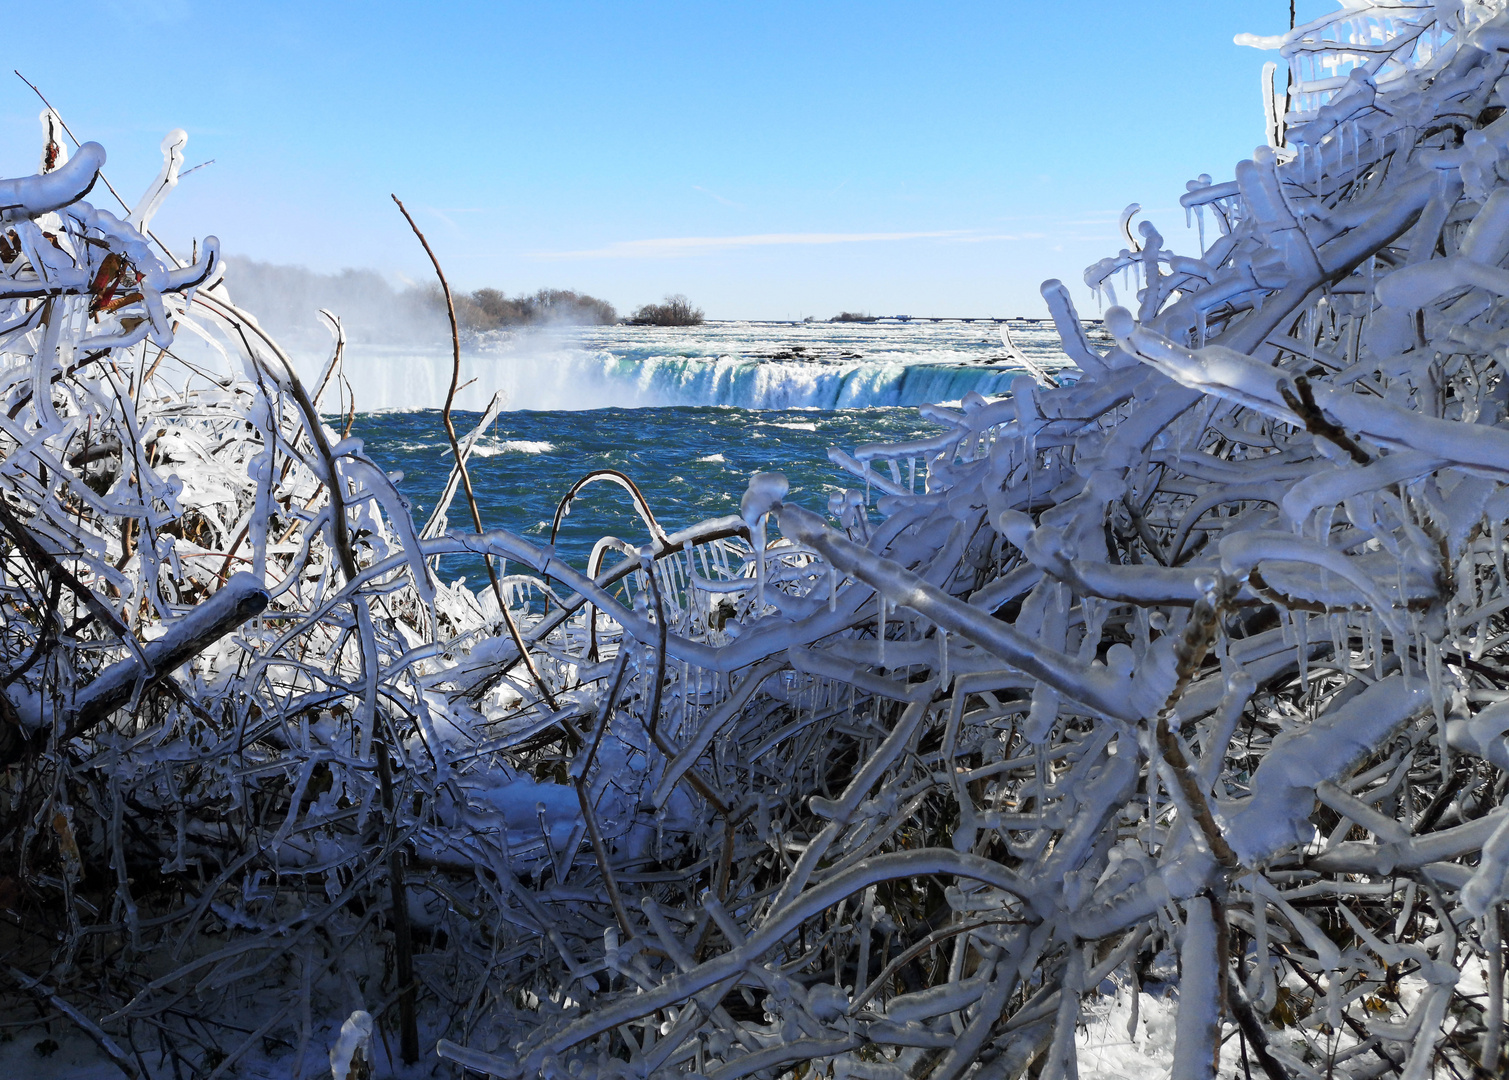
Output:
x,y
514,446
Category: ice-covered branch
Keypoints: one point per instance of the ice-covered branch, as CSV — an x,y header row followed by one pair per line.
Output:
x,y
1193,660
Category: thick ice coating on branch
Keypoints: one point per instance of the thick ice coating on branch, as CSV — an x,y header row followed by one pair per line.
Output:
x,y
33,196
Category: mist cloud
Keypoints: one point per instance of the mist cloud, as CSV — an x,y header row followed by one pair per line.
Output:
x,y
286,300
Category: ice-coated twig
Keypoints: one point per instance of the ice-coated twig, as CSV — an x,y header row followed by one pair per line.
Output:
x,y
46,993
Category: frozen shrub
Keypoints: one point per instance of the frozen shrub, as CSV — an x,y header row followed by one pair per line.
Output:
x,y
1186,667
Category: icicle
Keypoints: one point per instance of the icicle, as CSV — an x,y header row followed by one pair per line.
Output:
x,y
1496,534
1261,984
765,492
1438,696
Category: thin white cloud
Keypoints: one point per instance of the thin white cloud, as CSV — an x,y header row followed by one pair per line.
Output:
x,y
985,238
675,247
714,195
443,216
444,213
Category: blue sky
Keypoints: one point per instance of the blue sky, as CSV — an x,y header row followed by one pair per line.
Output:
x,y
769,160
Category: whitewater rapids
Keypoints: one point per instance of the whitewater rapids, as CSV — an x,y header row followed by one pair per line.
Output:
x,y
741,365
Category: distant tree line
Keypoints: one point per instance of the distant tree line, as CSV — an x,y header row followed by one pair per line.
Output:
x,y
490,309
672,311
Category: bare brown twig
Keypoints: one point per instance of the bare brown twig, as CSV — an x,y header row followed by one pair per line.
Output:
x,y
466,479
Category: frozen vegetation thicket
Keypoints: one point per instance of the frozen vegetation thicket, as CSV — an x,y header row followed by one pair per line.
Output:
x,y
1190,667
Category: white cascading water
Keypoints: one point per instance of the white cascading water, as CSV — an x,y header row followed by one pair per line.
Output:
x,y
733,364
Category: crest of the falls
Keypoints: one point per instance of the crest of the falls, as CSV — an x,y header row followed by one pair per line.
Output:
x,y
741,365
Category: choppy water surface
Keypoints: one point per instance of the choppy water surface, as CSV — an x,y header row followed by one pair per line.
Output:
x,y
691,463
689,414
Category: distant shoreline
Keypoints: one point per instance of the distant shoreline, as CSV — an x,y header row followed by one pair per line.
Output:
x,y
895,320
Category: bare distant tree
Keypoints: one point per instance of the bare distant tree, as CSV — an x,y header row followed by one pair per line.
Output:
x,y
673,311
